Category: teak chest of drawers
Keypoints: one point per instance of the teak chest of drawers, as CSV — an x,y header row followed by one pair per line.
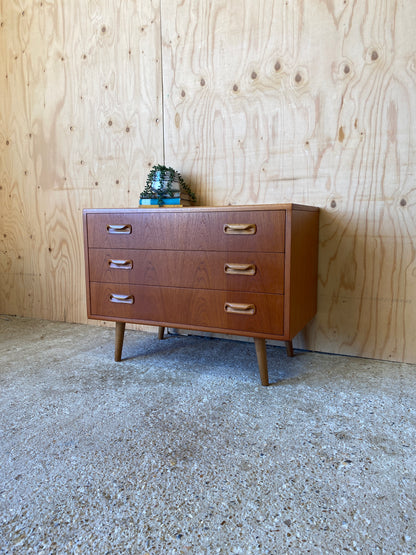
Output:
x,y
246,270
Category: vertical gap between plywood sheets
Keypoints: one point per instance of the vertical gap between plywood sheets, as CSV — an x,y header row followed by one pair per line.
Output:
x,y
162,83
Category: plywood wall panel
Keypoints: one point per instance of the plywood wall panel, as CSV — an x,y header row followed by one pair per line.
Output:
x,y
80,125
263,102
309,102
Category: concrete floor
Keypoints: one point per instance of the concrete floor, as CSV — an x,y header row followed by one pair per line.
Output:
x,y
178,449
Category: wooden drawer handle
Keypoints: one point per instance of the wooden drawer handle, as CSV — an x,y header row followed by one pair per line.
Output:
x,y
121,299
237,308
120,264
120,229
240,269
240,229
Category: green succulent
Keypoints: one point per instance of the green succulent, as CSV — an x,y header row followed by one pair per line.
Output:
x,y
166,176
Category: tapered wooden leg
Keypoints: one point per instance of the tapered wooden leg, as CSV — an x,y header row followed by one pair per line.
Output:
x,y
262,359
120,327
289,348
161,332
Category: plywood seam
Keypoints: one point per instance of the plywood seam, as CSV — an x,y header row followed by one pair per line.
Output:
x,y
162,83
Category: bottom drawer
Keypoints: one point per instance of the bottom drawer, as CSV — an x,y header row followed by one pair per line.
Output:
x,y
178,307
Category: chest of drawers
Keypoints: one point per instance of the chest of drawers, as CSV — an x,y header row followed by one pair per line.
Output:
x,y
247,270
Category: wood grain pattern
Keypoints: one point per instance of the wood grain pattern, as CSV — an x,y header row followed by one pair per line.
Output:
x,y
312,102
194,269
184,308
188,228
80,126
268,101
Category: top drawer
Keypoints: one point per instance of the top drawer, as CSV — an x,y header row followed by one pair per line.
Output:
x,y
250,231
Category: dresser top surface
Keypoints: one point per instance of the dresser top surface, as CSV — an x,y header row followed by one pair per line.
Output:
x,y
234,208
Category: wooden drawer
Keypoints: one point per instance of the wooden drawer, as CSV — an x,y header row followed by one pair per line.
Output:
x,y
219,310
249,231
234,271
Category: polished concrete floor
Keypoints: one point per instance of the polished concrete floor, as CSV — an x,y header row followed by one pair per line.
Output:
x,y
179,449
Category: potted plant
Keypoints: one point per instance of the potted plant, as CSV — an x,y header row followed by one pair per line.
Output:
x,y
165,186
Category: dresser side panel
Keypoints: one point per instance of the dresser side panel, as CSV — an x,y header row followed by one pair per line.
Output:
x,y
86,261
303,269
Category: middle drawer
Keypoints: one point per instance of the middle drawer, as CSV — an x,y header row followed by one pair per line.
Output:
x,y
232,271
